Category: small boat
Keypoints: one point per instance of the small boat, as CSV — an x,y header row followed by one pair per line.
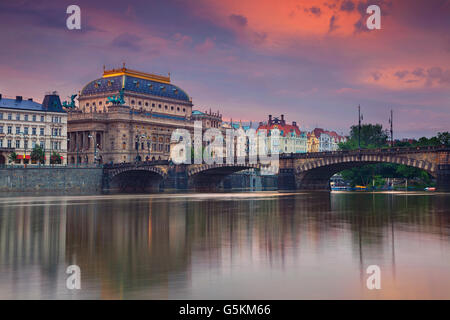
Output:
x,y
430,189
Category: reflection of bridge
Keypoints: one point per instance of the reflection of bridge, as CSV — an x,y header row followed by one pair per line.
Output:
x,y
304,171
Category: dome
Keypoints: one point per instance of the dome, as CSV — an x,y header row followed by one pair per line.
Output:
x,y
142,83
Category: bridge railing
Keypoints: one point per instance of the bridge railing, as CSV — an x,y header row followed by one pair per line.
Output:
x,y
394,150
137,164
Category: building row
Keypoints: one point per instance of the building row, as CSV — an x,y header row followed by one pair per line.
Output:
x,y
124,116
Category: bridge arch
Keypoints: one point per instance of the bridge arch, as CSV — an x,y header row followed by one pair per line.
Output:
x,y
209,176
137,178
315,174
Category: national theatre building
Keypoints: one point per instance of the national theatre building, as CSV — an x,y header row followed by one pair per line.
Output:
x,y
127,115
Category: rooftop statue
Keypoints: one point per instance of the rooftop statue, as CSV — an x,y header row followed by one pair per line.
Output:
x,y
117,100
70,105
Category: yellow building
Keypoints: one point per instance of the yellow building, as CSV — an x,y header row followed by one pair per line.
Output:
x,y
313,142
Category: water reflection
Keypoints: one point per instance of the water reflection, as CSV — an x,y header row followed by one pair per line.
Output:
x,y
254,245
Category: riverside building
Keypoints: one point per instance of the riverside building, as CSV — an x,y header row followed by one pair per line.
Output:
x,y
25,123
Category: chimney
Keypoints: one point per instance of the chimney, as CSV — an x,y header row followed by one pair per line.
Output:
x,y
270,119
282,120
18,98
294,123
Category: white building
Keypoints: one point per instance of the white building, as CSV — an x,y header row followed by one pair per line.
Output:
x,y
328,140
291,139
26,123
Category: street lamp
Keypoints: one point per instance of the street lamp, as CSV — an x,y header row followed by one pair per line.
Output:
x,y
391,120
137,142
95,147
360,117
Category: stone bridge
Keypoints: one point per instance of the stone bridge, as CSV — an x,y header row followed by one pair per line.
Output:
x,y
152,175
312,171
301,171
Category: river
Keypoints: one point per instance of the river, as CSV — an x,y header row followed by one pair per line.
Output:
x,y
260,245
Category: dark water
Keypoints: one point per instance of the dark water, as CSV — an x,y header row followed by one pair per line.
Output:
x,y
226,246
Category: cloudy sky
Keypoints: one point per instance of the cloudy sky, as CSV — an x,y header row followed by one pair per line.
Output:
x,y
313,61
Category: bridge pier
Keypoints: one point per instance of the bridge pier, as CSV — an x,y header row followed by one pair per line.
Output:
x,y
206,182
286,179
443,178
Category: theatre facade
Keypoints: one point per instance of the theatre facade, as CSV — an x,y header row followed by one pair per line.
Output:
x,y
127,115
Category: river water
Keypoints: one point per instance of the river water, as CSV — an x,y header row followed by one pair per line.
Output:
x,y
261,245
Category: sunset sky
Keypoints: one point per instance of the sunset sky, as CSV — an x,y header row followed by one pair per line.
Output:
x,y
313,61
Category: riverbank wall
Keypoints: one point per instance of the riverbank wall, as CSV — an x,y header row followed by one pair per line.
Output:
x,y
49,180
88,180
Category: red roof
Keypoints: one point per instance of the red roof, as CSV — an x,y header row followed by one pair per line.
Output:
x,y
285,129
319,131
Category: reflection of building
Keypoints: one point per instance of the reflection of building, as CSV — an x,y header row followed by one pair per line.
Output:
x,y
140,127
291,139
26,123
328,140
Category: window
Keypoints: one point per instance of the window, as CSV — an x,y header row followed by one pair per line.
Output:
x,y
41,144
42,118
33,144
139,103
184,109
26,117
17,144
178,108
165,107
25,144
25,130
34,117
1,116
159,106
1,143
9,143
33,131
153,105
17,130
18,116
171,108
1,129
146,104
99,103
9,116
160,147
132,102
41,131
9,129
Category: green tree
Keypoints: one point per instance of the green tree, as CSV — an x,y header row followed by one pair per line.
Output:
x,y
37,154
372,136
444,138
55,158
12,157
